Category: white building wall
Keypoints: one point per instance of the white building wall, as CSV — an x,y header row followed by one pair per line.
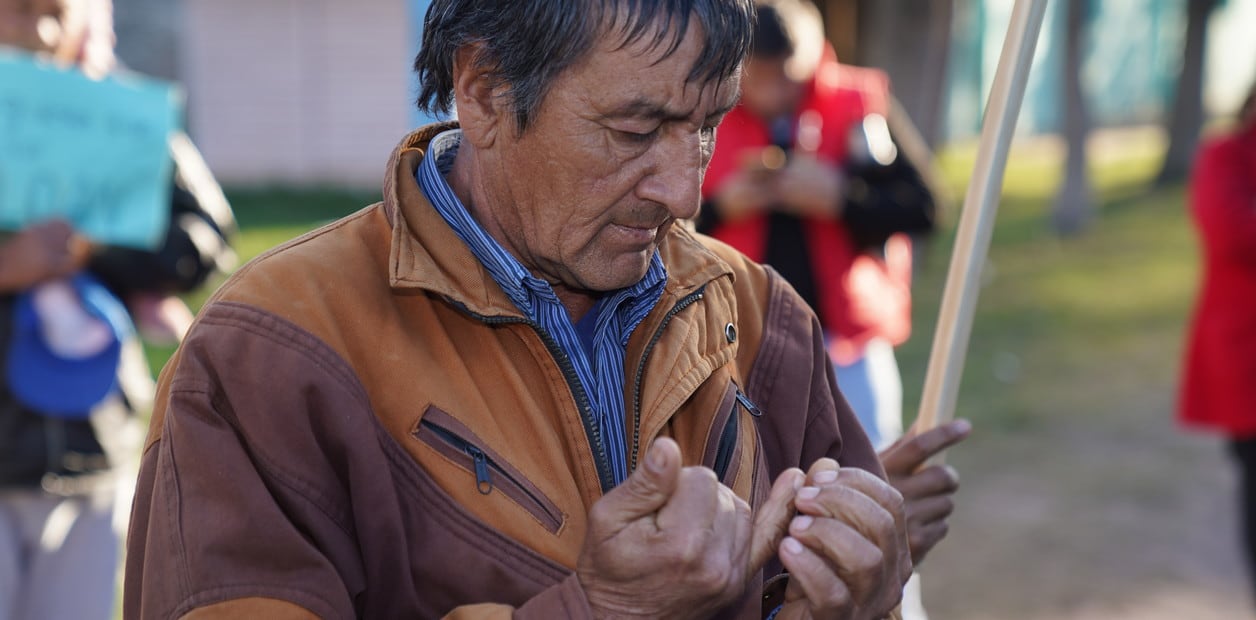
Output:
x,y
297,91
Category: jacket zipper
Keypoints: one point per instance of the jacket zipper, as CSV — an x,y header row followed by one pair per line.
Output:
x,y
485,469
728,444
592,429
749,405
728,439
685,302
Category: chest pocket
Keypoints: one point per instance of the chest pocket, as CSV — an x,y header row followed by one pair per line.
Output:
x,y
486,470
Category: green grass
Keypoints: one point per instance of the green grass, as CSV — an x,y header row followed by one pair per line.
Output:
x,y
1064,326
1071,326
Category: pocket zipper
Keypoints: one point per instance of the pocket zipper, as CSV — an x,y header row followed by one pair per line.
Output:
x,y
486,469
749,405
728,438
483,481
728,445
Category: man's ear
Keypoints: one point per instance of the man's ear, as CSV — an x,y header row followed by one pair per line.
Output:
x,y
482,113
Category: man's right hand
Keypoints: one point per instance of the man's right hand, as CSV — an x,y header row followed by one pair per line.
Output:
x,y
672,542
41,252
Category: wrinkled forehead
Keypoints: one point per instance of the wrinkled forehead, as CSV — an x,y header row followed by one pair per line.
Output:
x,y
658,72
657,29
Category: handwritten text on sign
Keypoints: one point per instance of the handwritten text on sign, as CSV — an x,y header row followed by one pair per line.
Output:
x,y
94,153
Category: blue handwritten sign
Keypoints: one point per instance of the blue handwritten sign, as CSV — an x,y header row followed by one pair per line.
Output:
x,y
92,152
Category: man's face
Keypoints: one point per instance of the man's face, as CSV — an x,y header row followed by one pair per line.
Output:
x,y
767,89
613,156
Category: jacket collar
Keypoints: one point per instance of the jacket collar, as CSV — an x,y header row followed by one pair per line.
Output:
x,y
427,255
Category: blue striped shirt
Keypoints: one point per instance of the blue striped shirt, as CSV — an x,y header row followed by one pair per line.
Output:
x,y
614,318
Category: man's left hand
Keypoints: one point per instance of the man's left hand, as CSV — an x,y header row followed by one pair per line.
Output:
x,y
847,551
927,491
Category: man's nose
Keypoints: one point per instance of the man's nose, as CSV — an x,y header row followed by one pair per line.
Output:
x,y
675,177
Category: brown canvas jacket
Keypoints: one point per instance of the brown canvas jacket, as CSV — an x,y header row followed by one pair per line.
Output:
x,y
361,424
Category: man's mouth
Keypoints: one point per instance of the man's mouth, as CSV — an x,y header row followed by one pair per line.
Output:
x,y
638,233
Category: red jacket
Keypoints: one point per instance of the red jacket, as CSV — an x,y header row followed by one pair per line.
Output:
x,y
859,297
1219,386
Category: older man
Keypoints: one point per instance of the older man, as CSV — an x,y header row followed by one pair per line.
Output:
x,y
514,386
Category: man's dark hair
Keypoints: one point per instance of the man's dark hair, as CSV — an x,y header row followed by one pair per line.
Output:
x,y
528,43
772,38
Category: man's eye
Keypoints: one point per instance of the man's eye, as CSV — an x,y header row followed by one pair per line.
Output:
x,y
638,137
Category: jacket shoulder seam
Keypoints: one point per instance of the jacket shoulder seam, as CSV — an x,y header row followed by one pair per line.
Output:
x,y
269,255
299,340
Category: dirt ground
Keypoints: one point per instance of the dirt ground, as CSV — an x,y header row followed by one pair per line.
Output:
x,y
1118,516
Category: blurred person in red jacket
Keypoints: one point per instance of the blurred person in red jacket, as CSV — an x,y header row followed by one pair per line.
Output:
x,y
1219,383
807,177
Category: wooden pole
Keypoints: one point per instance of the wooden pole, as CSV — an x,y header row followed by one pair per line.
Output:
x,y
972,242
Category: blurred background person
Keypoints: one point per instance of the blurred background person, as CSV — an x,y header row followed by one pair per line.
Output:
x,y
1219,385
80,33
63,421
806,177
72,372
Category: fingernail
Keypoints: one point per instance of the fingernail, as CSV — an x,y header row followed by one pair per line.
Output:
x,y
655,460
801,523
808,492
792,545
825,477
799,478
963,426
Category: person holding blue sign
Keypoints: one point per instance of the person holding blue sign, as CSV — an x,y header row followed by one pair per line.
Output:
x,y
82,237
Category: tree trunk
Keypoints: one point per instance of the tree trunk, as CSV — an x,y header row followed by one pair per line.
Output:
x,y
910,40
1187,115
1074,204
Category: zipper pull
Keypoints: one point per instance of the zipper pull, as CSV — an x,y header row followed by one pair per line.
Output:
x,y
483,481
750,406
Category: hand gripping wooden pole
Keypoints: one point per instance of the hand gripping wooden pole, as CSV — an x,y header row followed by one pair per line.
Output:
x,y
972,242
